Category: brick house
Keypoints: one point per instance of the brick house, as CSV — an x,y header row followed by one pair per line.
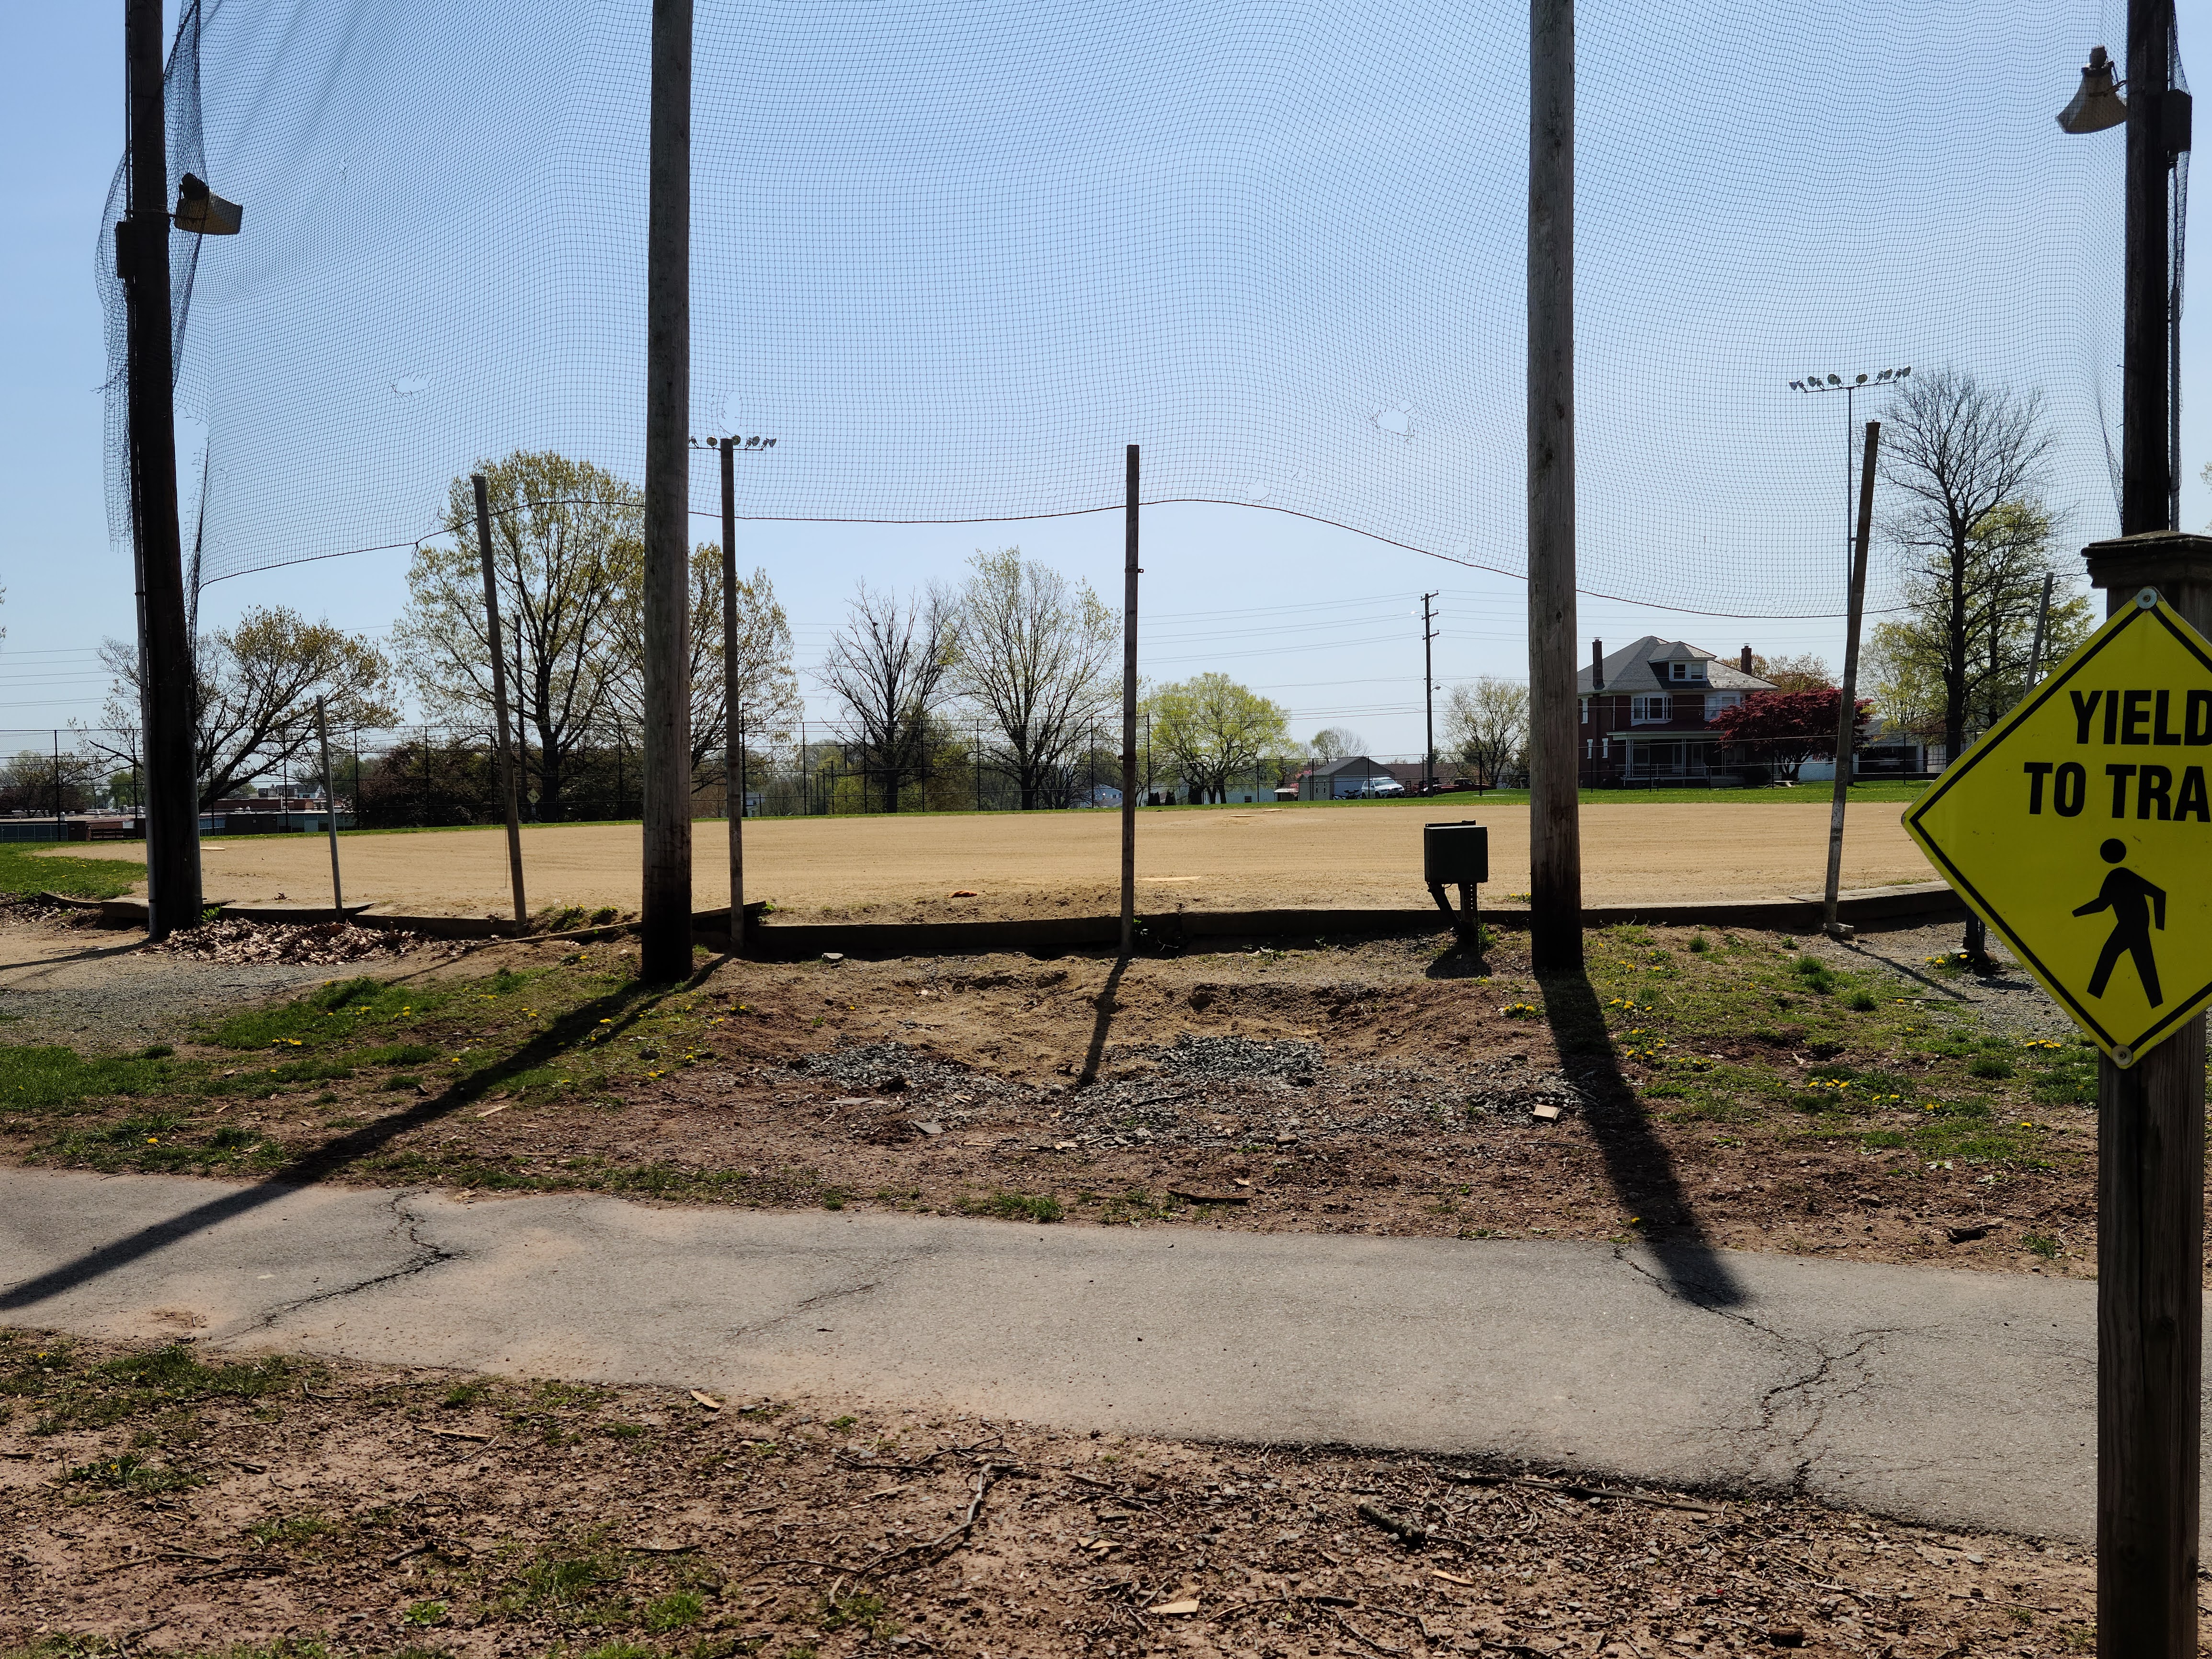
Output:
x,y
1646,710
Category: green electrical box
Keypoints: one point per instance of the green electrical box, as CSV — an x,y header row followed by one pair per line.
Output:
x,y
1454,854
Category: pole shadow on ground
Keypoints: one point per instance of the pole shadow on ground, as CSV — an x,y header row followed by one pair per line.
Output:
x,y
1638,1165
1101,1024
621,1009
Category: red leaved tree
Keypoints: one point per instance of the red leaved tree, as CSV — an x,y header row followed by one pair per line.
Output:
x,y
1785,729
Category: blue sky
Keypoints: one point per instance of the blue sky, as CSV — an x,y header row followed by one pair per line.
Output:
x,y
1319,617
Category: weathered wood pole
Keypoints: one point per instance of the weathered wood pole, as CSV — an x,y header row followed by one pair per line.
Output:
x,y
664,951
503,760
2151,1221
331,800
167,692
1847,715
1554,828
734,748
1130,572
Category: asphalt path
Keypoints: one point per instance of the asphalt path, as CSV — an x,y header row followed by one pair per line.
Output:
x,y
1954,1398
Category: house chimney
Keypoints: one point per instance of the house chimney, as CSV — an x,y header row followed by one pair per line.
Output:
x,y
1597,665
1744,661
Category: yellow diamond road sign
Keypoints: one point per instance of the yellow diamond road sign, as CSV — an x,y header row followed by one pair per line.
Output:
x,y
2081,828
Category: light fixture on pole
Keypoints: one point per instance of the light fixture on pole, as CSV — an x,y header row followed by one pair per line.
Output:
x,y
2096,104
1881,380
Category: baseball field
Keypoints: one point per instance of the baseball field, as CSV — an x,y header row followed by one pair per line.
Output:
x,y
963,867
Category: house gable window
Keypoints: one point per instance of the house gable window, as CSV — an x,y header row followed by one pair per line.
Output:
x,y
1687,672
1648,710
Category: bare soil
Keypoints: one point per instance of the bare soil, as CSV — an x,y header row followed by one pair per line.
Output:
x,y
1742,1089
155,1501
965,867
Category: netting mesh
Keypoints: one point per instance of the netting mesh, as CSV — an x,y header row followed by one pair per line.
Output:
x,y
954,255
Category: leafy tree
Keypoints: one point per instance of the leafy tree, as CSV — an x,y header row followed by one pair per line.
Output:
x,y
1336,743
1486,725
888,666
767,687
257,683
558,526
1905,662
1806,672
1785,729
41,783
1975,544
426,781
1039,656
1209,729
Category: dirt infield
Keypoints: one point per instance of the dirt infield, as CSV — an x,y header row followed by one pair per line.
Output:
x,y
1052,863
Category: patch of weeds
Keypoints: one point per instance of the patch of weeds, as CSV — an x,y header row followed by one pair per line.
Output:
x,y
675,1610
401,1080
841,1423
619,1649
424,1613
465,1394
1015,1206
130,1474
2042,1244
161,1378
1990,1065
564,1582
833,1198
624,1431
398,1053
861,1610
289,1529
54,1080
1861,1002
1700,944
1815,975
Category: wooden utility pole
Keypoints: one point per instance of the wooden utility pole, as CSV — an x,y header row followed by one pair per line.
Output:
x,y
1428,695
168,693
330,802
2150,1116
1847,720
503,758
1555,910
1130,572
734,748
665,947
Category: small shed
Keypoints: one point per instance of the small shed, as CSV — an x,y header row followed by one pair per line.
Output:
x,y
1347,778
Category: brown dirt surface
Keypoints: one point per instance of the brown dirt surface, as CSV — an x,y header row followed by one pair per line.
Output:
x,y
1742,1089
162,1501
1354,856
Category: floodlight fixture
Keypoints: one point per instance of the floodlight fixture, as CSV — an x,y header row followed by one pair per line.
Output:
x,y
203,212
2096,104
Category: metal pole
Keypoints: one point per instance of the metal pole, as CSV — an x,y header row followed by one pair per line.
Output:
x,y
2146,488
58,784
503,766
1847,715
1554,828
2042,628
1131,492
1428,695
733,760
331,801
168,690
665,943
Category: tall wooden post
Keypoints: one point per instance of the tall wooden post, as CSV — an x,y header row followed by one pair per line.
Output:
x,y
1554,826
1847,715
1129,575
734,748
331,801
167,691
2146,486
1428,695
2151,1221
503,757
665,947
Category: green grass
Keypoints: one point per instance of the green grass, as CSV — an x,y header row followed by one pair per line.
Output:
x,y
1015,1206
1752,1033
138,1385
24,871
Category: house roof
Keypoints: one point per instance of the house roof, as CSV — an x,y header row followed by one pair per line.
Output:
x,y
1630,669
1350,766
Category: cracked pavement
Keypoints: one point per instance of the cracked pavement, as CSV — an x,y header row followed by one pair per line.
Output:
x,y
1953,1398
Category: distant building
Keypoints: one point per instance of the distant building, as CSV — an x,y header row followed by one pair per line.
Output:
x,y
1646,712
1348,779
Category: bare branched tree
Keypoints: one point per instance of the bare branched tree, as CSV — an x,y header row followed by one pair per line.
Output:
x,y
557,526
768,686
1969,461
258,681
1038,657
888,666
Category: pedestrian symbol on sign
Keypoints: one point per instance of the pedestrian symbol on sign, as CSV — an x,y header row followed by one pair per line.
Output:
x,y
2130,899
